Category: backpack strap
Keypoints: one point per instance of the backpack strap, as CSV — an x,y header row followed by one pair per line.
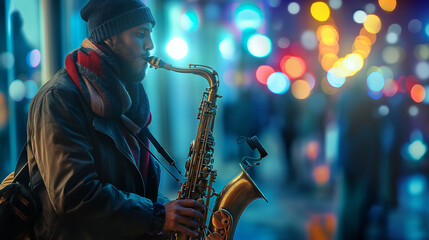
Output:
x,y
22,175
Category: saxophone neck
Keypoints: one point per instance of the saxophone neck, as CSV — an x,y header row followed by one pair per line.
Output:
x,y
206,72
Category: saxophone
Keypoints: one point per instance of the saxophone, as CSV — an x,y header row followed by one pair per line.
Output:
x,y
200,175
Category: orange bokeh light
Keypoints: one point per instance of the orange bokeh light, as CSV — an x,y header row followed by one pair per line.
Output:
x,y
418,93
293,67
321,174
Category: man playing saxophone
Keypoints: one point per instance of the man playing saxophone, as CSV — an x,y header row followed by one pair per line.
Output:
x,y
99,181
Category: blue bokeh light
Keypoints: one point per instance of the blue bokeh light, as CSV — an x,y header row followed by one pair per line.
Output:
x,y
334,80
278,83
33,58
375,81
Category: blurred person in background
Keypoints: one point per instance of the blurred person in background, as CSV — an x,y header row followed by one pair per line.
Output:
x,y
99,181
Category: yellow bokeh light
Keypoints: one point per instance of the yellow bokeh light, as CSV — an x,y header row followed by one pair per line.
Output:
x,y
372,24
353,63
387,5
327,34
301,89
320,11
328,61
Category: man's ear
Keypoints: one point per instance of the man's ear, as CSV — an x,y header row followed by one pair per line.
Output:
x,y
108,42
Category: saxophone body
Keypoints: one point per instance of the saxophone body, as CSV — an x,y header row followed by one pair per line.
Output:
x,y
200,175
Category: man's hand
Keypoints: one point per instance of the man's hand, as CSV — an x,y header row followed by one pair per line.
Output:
x,y
183,216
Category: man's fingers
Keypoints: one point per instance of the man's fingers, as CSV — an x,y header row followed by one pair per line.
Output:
x,y
190,212
186,231
191,203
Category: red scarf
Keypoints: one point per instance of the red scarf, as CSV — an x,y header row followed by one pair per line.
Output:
x,y
95,71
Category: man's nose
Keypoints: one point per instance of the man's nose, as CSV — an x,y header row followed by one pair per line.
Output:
x,y
148,44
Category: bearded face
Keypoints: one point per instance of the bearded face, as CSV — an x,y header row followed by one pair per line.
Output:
x,y
131,47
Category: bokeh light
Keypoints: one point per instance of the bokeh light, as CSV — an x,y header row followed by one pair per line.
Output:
x,y
335,4
392,38
374,95
263,72
309,40
387,5
392,55
310,79
283,42
416,184
31,89
33,58
359,16
248,16
278,83
414,26
259,45
177,48
327,34
372,24
370,8
321,174
189,21
353,63
320,11
421,51
17,90
390,88
227,48
293,8
417,149
294,67
375,81
418,93
328,61
413,111
427,29
300,89
7,60
335,79
422,70
383,110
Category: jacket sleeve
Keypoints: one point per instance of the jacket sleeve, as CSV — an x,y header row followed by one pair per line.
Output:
x,y
62,148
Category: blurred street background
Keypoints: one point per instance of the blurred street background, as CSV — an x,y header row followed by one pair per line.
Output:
x,y
337,92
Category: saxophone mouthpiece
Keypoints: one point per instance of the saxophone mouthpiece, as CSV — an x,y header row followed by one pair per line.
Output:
x,y
157,63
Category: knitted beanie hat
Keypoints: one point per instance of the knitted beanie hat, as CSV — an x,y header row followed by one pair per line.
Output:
x,y
109,17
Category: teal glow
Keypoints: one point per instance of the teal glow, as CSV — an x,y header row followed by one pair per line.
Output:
x,y
375,81
17,90
417,150
278,83
334,80
227,48
259,45
248,16
416,184
189,21
427,29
